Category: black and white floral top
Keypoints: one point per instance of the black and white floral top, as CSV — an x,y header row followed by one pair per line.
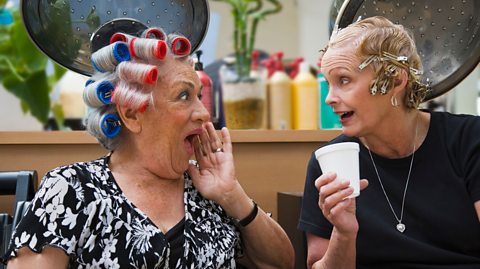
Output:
x,y
80,209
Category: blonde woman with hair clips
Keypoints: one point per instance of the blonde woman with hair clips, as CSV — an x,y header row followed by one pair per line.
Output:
x,y
421,208
145,205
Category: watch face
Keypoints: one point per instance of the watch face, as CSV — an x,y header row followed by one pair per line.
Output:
x,y
63,30
447,33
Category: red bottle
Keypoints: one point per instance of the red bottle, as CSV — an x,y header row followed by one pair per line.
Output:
x,y
207,97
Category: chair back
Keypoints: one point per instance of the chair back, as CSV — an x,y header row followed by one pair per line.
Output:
x,y
21,184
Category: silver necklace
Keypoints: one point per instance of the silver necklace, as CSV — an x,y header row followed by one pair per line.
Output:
x,y
400,226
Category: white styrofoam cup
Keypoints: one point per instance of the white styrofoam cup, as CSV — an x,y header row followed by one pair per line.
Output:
x,y
341,158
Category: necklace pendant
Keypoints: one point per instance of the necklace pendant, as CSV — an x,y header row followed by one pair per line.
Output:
x,y
401,227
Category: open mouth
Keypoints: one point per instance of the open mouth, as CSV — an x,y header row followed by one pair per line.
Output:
x,y
189,143
190,138
345,115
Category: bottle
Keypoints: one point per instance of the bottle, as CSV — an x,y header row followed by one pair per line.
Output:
x,y
328,118
207,97
304,99
279,94
259,73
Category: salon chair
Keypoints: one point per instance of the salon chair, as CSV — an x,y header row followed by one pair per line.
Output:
x,y
20,184
289,206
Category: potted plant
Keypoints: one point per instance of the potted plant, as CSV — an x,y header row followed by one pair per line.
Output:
x,y
244,91
246,16
23,69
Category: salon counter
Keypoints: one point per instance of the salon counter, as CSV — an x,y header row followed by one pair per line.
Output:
x,y
267,161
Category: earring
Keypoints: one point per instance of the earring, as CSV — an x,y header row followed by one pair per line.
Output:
x,y
394,101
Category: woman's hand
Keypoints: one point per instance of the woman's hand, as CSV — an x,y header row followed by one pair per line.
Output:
x,y
336,207
215,175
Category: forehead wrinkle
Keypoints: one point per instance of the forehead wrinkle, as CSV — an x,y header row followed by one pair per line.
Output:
x,y
336,63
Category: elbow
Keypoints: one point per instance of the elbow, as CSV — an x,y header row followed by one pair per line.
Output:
x,y
290,258
311,260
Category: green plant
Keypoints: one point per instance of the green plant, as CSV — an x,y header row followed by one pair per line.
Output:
x,y
246,16
23,70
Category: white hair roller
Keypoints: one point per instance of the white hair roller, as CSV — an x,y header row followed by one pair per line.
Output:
x,y
154,32
99,93
146,49
121,37
137,72
134,96
108,57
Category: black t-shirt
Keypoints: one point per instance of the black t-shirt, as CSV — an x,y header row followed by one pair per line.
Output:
x,y
442,227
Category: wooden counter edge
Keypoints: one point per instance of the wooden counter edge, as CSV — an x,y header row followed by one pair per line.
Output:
x,y
238,136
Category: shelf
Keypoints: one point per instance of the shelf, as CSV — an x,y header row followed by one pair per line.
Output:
x,y
238,136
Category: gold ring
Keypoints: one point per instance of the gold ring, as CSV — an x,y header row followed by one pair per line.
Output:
x,y
218,150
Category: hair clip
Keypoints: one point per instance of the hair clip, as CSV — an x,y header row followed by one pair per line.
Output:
x,y
383,89
373,88
368,61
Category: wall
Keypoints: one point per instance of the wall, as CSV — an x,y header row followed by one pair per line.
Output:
x,y
300,29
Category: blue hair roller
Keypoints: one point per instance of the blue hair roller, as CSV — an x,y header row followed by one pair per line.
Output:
x,y
88,82
121,52
107,58
110,125
104,92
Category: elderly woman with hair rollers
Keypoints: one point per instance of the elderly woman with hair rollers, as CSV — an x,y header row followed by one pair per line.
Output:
x,y
421,208
145,205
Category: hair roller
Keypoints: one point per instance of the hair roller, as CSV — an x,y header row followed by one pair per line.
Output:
x,y
131,95
108,57
154,32
120,37
146,49
110,125
137,72
98,93
179,45
89,81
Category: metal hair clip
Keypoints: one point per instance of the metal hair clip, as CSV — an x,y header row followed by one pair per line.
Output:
x,y
390,70
383,89
399,60
416,71
369,60
373,89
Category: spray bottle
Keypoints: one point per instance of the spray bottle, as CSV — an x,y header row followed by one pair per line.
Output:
x,y
279,94
207,97
304,99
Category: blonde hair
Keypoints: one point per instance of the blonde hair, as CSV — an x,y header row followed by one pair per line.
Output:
x,y
130,80
377,36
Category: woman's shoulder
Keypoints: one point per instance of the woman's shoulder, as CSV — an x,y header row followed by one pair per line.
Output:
x,y
455,124
85,177
455,119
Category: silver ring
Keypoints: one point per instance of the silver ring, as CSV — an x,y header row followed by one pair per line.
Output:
x,y
218,150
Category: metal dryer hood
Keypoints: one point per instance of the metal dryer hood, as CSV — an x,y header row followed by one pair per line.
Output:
x,y
446,33
62,29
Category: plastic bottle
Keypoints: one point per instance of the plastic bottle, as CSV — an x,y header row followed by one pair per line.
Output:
x,y
328,119
279,95
259,72
304,99
207,97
